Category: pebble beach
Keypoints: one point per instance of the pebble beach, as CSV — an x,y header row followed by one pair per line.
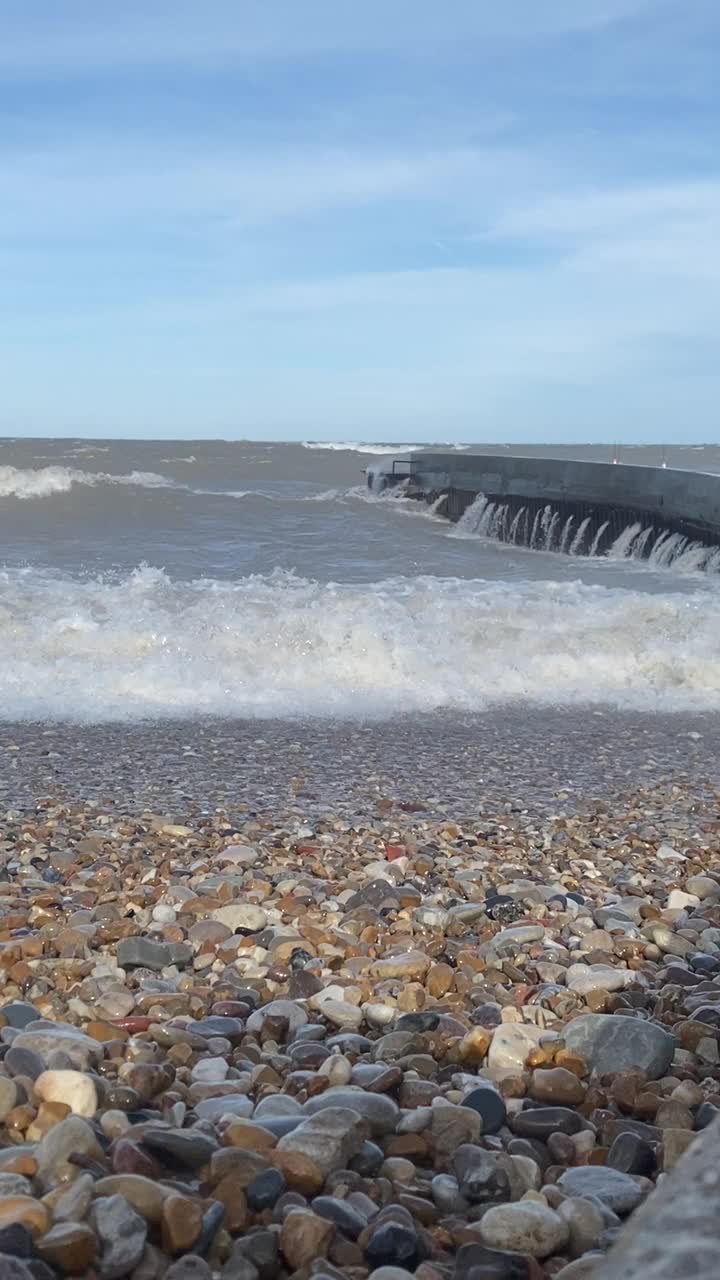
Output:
x,y
438,997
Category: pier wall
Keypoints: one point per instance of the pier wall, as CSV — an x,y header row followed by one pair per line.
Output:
x,y
685,503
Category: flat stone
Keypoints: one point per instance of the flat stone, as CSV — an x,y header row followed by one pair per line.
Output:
x,y
143,953
540,1122
611,1044
380,1112
616,1190
341,1013
517,935
188,1147
584,978
47,1038
233,1104
411,966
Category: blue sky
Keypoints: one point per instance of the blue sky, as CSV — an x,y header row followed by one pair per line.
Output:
x,y
392,219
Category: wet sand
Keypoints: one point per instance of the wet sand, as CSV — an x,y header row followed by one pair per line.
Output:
x,y
546,761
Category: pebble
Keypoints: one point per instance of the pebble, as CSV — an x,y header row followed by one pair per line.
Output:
x,y
121,1234
383,1044
526,1227
617,1190
609,1044
73,1088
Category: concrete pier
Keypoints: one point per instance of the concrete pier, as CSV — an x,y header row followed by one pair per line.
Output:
x,y
595,500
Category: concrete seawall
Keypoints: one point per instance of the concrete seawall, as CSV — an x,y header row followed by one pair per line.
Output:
x,y
553,503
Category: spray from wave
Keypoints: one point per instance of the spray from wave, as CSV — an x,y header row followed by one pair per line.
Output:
x,y
44,482
147,646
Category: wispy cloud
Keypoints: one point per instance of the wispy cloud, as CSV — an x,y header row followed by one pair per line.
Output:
x,y
86,37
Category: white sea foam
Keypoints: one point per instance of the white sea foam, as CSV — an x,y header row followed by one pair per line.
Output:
x,y
44,482
148,646
355,446
359,446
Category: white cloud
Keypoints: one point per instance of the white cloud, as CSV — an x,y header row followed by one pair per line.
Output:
x,y
69,189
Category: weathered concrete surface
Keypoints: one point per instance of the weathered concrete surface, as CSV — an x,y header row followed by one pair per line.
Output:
x,y
675,1235
689,499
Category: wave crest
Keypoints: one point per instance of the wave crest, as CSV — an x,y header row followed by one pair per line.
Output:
x,y
44,482
146,646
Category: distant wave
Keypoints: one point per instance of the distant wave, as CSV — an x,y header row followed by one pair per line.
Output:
x,y
145,646
355,446
43,482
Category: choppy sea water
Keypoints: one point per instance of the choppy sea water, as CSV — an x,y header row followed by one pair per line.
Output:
x,y
171,579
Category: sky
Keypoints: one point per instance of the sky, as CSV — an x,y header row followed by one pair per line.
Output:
x,y
387,220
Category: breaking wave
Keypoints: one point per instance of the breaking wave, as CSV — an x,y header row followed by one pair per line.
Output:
x,y
355,446
44,482
147,646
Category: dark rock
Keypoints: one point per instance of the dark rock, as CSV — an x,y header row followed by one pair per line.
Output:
x,y
23,1062
705,1115
704,964
16,1240
13,1268
189,1268
337,1211
18,1013
212,1220
261,1249
417,1022
630,1154
378,894
228,1028
475,1262
368,1160
142,953
190,1148
489,1106
394,1244
264,1191
540,1122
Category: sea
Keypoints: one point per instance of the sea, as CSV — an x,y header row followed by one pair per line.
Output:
x,y
165,580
